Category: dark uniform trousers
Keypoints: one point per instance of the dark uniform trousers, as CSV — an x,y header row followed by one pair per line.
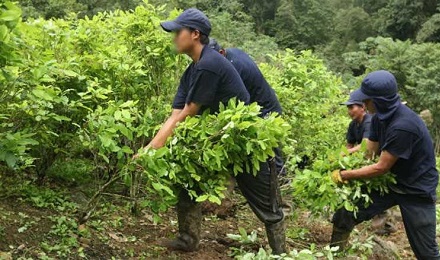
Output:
x,y
419,218
261,192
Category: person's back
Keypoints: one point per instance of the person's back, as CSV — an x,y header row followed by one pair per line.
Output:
x,y
259,89
416,168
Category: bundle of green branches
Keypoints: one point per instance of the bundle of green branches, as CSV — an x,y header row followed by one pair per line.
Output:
x,y
317,192
206,150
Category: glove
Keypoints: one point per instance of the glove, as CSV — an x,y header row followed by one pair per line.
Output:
x,y
337,178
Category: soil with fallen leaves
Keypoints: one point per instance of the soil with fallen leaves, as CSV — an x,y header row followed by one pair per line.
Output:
x,y
29,231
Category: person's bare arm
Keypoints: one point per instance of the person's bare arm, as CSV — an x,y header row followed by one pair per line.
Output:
x,y
354,149
386,161
349,146
168,127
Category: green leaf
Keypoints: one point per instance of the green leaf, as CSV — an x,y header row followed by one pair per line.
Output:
x,y
127,150
126,114
70,73
348,206
202,198
215,199
126,132
10,15
3,32
61,118
118,115
106,159
106,141
10,159
39,93
161,152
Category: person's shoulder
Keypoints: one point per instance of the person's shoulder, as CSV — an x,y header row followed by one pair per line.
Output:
x,y
352,124
212,61
236,51
406,120
367,118
238,54
187,73
374,119
189,68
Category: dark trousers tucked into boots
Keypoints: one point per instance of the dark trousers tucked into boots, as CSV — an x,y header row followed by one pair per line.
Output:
x,y
418,216
262,194
189,217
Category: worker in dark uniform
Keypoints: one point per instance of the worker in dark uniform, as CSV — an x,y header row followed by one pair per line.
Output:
x,y
209,81
405,147
358,131
359,128
259,89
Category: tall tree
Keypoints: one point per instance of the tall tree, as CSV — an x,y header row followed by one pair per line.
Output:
x,y
49,8
402,19
430,31
371,6
263,12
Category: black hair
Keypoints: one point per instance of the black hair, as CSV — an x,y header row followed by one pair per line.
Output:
x,y
204,39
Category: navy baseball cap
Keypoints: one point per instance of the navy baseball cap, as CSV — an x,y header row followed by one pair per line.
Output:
x,y
379,83
213,44
190,18
356,98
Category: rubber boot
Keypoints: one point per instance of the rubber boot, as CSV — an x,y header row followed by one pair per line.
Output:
x,y
339,238
276,235
189,215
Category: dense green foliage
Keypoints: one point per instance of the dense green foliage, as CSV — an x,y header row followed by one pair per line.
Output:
x,y
291,23
107,82
67,72
310,95
317,192
206,151
59,9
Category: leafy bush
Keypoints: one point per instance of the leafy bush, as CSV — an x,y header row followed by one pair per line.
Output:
x,y
68,68
310,97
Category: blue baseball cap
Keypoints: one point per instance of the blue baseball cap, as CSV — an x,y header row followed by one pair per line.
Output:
x,y
379,83
190,18
356,98
213,44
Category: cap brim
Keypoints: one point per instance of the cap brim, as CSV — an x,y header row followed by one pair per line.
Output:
x,y
349,103
171,26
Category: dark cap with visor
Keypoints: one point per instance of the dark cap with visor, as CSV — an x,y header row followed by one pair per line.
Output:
x,y
190,18
379,83
356,98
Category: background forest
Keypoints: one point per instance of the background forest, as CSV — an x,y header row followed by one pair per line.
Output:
x,y
352,36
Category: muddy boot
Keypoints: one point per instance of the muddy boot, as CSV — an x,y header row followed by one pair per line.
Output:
x,y
276,235
189,215
339,238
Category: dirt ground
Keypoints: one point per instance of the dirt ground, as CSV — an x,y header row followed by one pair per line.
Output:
x,y
28,231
